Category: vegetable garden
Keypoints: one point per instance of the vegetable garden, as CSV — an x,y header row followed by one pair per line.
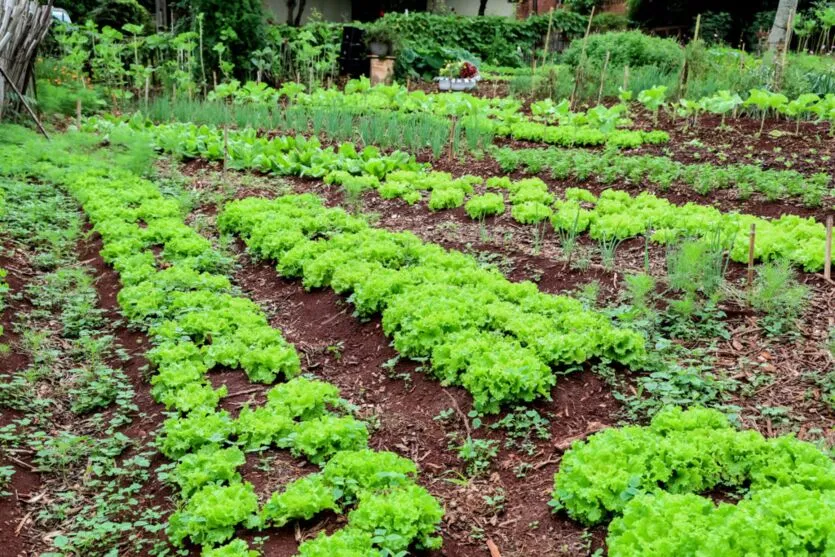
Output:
x,y
316,317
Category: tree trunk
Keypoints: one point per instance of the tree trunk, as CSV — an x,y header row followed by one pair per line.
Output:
x,y
298,21
781,23
291,8
482,6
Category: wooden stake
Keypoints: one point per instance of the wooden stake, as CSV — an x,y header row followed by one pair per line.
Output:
x,y
225,148
684,78
78,113
147,89
778,78
491,545
22,100
548,38
452,138
603,76
751,241
827,263
626,77
579,73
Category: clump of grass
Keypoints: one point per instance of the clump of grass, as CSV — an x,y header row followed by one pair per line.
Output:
x,y
779,296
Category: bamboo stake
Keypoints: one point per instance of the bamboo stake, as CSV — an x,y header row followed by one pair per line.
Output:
x,y
603,76
751,241
778,78
452,130
684,79
827,265
578,74
548,38
225,149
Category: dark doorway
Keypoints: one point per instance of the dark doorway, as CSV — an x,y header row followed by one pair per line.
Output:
x,y
369,10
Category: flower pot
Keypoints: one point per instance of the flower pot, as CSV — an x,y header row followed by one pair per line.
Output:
x,y
457,83
378,49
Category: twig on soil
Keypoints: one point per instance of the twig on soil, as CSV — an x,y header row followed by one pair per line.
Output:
x,y
460,413
332,317
245,392
22,523
21,463
546,463
494,549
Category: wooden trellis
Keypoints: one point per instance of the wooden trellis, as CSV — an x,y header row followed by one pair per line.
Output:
x,y
23,25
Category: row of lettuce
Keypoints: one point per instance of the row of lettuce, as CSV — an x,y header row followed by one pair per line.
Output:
x,y
778,494
608,167
174,286
497,339
611,215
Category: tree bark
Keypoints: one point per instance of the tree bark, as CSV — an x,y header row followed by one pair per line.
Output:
x,y
781,23
291,8
482,6
298,21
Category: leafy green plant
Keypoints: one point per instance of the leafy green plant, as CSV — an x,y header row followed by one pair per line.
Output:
x,y
778,294
653,99
681,452
212,513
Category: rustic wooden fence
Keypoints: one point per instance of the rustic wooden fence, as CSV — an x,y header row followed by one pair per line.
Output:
x,y
23,25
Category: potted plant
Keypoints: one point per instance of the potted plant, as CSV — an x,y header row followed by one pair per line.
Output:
x,y
380,40
458,76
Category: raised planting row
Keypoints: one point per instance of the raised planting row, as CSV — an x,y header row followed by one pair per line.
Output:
x,y
581,136
649,478
608,167
245,150
4,287
65,395
174,286
505,114
497,339
795,239
614,215
367,110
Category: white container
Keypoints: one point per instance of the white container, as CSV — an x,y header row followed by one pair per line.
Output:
x,y
457,83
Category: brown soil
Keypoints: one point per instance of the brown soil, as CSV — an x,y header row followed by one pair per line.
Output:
x,y
16,521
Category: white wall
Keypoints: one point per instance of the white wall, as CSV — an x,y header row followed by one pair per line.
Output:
x,y
331,10
494,7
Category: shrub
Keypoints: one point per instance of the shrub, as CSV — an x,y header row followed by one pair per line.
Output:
x,y
609,22
628,47
246,18
493,39
116,13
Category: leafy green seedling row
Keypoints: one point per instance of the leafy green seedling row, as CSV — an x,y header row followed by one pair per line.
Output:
x,y
610,166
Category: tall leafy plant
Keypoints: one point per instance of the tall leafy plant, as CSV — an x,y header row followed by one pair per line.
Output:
x,y
240,26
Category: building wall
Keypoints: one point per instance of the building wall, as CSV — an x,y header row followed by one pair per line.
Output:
x,y
331,10
494,7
